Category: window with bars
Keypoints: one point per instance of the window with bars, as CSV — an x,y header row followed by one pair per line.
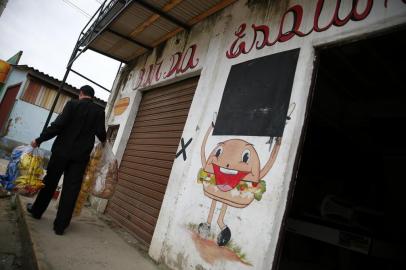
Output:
x,y
42,95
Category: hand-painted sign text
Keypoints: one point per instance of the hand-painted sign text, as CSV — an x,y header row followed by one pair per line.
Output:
x,y
180,62
261,33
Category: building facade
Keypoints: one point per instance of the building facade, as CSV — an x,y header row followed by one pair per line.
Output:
x,y
208,127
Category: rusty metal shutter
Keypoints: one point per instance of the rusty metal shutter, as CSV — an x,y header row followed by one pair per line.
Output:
x,y
148,157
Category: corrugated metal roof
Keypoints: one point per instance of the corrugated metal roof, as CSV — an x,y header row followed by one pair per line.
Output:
x,y
190,8
160,3
158,29
141,25
127,22
54,81
106,40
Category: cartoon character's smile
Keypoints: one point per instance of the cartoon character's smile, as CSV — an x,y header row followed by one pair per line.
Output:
x,y
227,179
227,171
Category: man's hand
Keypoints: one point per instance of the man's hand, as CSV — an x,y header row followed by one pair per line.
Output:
x,y
34,144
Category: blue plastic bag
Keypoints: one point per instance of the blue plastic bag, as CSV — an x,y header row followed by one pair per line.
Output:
x,y
8,180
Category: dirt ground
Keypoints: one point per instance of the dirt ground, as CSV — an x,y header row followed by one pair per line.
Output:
x,y
13,249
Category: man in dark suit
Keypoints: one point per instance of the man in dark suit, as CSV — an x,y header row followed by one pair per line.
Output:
x,y
75,130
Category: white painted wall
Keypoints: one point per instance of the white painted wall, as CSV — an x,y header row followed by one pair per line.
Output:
x,y
27,121
255,228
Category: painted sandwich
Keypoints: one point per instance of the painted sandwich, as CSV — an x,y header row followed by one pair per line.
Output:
x,y
227,186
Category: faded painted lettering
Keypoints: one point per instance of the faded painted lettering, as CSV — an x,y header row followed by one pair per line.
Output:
x,y
261,33
180,62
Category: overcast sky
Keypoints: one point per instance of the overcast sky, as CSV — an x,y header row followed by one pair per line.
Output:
x,y
46,31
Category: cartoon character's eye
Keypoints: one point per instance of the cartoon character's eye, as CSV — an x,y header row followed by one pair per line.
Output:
x,y
219,151
246,155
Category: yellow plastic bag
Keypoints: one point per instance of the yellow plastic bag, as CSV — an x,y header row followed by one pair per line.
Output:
x,y
31,171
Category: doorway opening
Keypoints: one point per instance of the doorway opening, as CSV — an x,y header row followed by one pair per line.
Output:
x,y
348,204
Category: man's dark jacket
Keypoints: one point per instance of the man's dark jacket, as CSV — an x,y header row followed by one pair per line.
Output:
x,y
76,128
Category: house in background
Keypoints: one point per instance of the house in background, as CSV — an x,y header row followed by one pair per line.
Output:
x,y
26,102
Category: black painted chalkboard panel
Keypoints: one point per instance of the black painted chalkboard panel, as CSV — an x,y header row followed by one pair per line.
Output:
x,y
256,96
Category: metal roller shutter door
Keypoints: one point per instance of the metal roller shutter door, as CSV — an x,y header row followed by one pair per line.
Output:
x,y
148,157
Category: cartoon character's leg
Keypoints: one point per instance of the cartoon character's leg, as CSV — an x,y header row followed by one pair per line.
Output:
x,y
204,228
225,235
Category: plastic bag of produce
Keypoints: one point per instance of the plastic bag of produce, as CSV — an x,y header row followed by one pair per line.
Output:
x,y
7,180
88,177
30,172
106,174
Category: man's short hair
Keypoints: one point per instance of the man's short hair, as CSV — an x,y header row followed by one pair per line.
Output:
x,y
87,90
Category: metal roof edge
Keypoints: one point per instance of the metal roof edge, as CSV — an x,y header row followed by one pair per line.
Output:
x,y
55,82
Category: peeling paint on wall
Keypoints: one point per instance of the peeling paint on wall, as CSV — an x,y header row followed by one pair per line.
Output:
x,y
21,128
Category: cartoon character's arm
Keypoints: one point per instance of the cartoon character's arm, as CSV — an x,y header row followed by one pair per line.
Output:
x,y
271,159
203,148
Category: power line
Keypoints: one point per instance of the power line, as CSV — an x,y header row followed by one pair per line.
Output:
x,y
68,2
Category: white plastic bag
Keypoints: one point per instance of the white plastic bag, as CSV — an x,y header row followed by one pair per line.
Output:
x,y
106,176
88,178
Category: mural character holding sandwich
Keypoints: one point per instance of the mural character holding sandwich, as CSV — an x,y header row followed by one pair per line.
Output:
x,y
232,175
257,94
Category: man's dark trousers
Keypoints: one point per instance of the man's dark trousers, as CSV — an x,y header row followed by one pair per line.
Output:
x,y
73,175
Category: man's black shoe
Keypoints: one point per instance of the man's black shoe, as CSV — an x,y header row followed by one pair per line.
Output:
x,y
29,210
58,232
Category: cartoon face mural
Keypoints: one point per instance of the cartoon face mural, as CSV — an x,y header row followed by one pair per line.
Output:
x,y
255,102
233,161
232,176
